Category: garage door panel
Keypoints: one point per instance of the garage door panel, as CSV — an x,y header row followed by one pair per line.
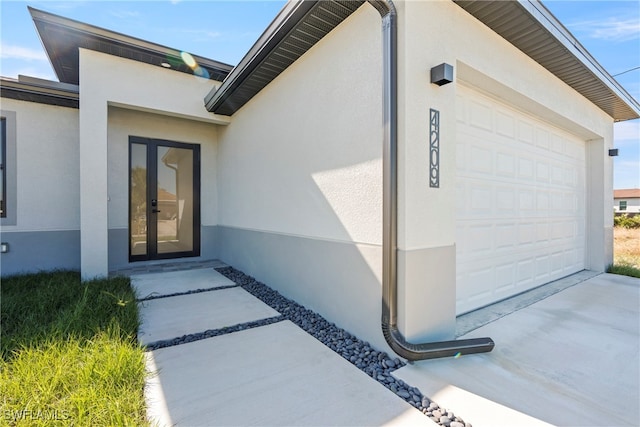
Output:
x,y
520,198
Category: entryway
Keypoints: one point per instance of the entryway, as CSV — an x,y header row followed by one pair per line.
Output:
x,y
164,199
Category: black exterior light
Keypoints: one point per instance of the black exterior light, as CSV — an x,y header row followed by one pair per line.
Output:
x,y
442,74
613,152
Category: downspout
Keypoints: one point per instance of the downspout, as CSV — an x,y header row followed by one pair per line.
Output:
x,y
390,330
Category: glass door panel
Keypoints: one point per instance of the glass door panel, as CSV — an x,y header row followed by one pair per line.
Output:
x,y
138,199
175,200
164,195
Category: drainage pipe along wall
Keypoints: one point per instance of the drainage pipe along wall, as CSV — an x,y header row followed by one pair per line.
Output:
x,y
390,329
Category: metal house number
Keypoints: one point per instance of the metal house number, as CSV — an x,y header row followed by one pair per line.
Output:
x,y
434,148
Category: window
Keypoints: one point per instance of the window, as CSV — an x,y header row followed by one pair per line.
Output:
x,y
623,205
3,169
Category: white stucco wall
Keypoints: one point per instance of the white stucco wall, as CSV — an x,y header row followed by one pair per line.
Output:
x,y
434,32
300,179
47,174
304,156
439,31
111,81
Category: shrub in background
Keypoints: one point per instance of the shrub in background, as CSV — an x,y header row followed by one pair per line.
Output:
x,y
626,221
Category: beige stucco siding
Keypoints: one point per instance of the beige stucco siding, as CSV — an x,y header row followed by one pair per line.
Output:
x,y
439,31
300,179
308,147
107,81
303,157
47,176
434,32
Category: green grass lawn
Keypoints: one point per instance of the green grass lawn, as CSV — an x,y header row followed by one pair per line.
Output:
x,y
624,270
69,354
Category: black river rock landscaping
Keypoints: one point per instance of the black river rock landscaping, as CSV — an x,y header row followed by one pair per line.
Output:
x,y
377,364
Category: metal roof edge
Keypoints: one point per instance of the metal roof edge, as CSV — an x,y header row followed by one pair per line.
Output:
x,y
544,16
48,84
113,36
40,91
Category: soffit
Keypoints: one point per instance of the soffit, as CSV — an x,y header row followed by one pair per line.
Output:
x,y
530,27
298,27
62,38
526,24
40,91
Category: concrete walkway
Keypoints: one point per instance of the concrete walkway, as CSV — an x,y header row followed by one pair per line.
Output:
x,y
274,375
571,359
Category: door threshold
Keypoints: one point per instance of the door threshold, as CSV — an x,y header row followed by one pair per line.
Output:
x,y
159,266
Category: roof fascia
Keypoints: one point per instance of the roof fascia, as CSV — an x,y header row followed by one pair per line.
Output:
x,y
113,36
286,19
539,12
40,91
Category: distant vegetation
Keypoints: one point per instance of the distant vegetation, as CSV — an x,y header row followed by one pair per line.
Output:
x,y
626,221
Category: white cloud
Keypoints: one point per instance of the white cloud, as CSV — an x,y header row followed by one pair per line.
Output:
x,y
23,53
123,14
612,29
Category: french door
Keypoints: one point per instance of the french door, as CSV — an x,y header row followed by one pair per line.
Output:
x,y
164,199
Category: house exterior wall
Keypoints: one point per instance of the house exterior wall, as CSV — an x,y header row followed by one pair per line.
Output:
x,y
123,123
300,173
108,81
43,221
633,205
300,169
434,32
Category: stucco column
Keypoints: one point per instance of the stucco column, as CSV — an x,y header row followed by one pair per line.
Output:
x,y
426,214
93,171
599,215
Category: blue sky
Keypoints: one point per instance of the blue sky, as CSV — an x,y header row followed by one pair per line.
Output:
x,y
225,30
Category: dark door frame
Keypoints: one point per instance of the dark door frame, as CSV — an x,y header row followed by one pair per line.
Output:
x,y
152,145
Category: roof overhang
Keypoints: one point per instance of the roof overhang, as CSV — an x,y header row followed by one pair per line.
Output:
x,y
526,24
296,29
532,28
62,38
41,91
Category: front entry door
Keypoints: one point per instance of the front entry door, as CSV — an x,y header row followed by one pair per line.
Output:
x,y
164,199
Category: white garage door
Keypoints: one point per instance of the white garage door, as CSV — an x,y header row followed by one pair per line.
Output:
x,y
520,201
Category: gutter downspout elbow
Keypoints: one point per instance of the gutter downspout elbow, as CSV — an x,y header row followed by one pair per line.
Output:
x,y
390,329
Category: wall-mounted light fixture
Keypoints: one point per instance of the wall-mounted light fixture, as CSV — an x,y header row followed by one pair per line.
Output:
x,y
4,247
442,74
613,152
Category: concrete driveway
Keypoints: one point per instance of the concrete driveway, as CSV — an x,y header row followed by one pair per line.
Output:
x,y
571,359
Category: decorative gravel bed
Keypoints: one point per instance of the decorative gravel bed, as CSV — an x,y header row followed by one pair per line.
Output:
x,y
376,364
210,333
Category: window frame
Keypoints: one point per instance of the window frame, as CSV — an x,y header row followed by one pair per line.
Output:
x,y
623,205
9,171
3,166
